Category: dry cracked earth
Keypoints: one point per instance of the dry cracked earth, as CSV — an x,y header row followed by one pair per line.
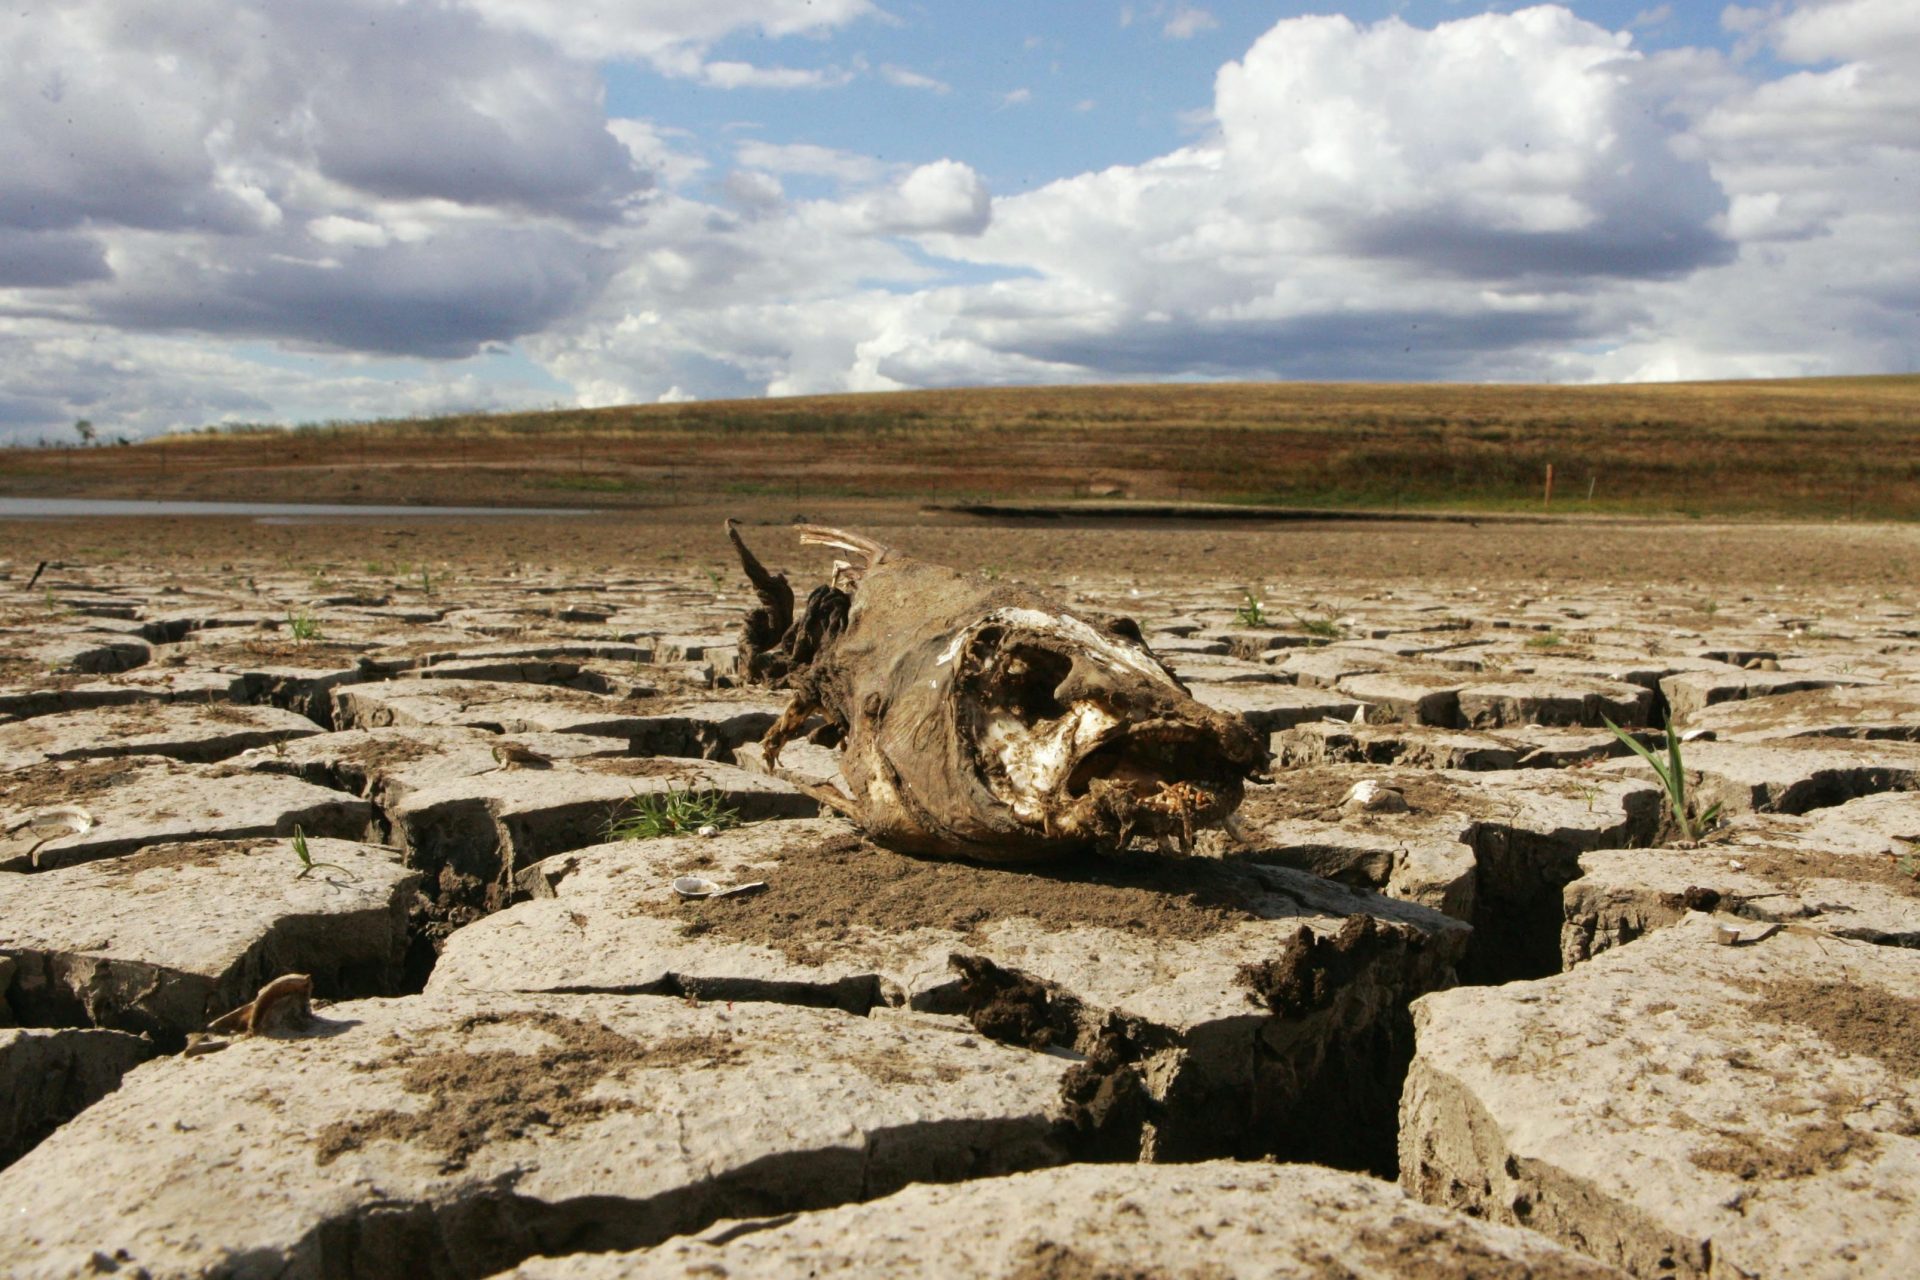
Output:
x,y
1503,1020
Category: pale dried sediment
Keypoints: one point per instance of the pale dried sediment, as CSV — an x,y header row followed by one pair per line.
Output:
x,y
1689,692
179,730
146,800
143,685
1196,966
1268,708
1878,711
88,652
162,940
1407,696
710,725
457,1136
488,822
1210,669
1837,870
1793,775
50,1075
1491,848
1680,1107
1553,701
1253,1221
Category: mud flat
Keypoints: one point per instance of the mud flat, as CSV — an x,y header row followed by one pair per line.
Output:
x,y
1463,998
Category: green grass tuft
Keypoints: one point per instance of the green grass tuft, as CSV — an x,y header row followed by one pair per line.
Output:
x,y
1672,773
303,626
672,813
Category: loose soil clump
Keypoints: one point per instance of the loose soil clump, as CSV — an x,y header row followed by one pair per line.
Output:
x,y
1416,1252
1002,1005
817,905
1816,1148
1046,1260
1851,1018
195,853
474,1098
1316,969
42,785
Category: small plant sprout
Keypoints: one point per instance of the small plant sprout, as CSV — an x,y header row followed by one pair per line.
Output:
x,y
672,813
1908,863
1672,773
307,865
426,581
1320,628
303,626
713,576
1546,640
1251,612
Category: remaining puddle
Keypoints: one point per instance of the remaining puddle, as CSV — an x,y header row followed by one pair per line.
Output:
x,y
265,512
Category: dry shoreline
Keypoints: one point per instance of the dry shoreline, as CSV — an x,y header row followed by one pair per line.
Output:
x,y
1681,554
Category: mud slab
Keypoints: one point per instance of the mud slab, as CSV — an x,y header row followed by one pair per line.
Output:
x,y
180,731
456,1137
1449,701
1254,1221
709,726
1248,1001
144,800
1427,747
52,694
1693,691
49,1076
1849,871
1793,775
449,815
1679,1107
1268,708
160,941
1886,711
1495,849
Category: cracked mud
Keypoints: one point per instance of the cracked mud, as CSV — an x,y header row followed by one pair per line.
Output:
x,y
1075,946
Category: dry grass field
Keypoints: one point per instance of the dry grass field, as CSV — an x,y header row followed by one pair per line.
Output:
x,y
1846,448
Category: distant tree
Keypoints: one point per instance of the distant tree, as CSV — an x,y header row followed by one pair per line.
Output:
x,y
84,429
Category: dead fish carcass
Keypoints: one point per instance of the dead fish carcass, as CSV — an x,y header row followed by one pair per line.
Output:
x,y
982,720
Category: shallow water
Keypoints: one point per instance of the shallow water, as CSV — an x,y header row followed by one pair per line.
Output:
x,y
268,512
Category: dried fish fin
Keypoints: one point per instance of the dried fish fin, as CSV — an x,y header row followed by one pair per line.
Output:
x,y
865,552
787,727
833,798
776,595
775,645
285,1004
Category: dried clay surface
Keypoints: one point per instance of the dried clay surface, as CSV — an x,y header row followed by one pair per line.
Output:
x,y
1180,1222
433,784
1684,1107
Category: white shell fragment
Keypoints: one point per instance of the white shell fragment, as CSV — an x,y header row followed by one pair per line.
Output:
x,y
1373,797
62,820
701,887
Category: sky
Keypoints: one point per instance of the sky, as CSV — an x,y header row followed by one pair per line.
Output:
x,y
310,210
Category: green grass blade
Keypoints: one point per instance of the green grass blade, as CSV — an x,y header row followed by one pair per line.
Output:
x,y
1659,768
1677,787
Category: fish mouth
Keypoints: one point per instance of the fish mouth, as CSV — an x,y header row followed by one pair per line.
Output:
x,y
1096,742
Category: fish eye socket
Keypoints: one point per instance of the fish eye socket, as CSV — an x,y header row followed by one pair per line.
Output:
x,y
1024,682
